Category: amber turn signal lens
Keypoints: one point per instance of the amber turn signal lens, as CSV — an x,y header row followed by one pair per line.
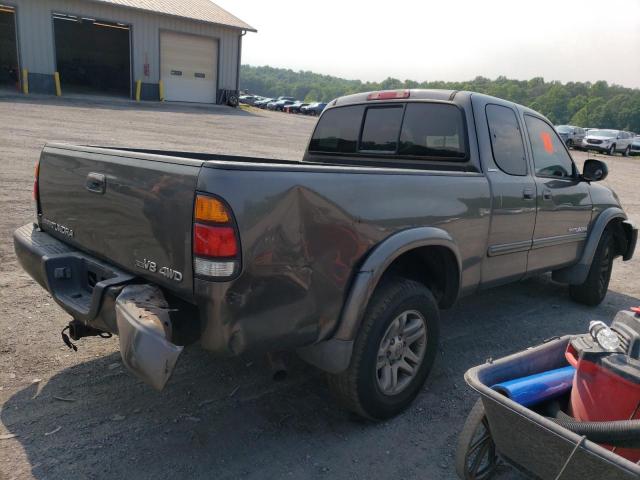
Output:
x,y
210,210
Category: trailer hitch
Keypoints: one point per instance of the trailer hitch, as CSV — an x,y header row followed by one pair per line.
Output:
x,y
78,330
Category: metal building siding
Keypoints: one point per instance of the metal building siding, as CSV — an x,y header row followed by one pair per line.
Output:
x,y
35,32
202,10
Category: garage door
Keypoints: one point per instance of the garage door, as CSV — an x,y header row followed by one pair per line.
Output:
x,y
92,56
189,67
9,71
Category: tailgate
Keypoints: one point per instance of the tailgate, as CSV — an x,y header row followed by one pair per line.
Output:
x,y
133,210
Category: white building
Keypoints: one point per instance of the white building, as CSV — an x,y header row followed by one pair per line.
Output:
x,y
190,50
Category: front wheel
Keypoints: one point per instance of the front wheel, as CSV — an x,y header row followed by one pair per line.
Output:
x,y
476,457
594,289
569,143
393,353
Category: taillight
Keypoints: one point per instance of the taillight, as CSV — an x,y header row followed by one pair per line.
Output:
x,y
217,242
216,250
36,189
36,173
389,95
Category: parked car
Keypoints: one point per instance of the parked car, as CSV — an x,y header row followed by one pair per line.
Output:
x,y
635,145
278,105
346,256
271,104
248,99
608,141
572,136
294,107
263,102
315,108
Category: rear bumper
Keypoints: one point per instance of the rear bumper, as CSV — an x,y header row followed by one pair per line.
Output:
x,y
83,286
105,298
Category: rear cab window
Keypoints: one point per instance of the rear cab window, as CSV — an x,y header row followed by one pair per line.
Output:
x,y
414,131
338,130
506,140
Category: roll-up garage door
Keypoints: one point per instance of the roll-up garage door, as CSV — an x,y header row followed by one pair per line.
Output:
x,y
189,67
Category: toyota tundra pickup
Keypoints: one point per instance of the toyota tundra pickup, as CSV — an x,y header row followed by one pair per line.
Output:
x,y
403,202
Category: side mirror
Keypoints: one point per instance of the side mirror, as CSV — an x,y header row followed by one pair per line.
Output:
x,y
594,170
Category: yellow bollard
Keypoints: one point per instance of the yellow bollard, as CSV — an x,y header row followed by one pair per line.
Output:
x,y
25,81
138,89
161,90
56,78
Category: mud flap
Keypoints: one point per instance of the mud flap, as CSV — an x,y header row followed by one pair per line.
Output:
x,y
144,328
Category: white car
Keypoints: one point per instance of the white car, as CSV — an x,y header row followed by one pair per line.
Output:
x,y
608,141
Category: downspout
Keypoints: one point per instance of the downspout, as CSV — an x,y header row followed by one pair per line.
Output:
x,y
244,32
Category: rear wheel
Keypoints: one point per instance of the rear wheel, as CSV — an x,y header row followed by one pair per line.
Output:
x,y
569,143
476,457
595,287
612,150
627,151
393,353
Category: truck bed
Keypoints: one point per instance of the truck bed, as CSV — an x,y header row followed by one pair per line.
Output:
x,y
304,228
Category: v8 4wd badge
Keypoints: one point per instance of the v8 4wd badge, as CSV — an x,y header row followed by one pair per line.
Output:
x,y
153,267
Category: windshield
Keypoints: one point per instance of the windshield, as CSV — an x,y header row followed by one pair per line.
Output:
x,y
563,129
603,133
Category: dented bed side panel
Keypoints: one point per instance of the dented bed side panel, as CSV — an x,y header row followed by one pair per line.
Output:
x,y
305,231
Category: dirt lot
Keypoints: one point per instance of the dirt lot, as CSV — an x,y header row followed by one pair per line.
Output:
x,y
80,415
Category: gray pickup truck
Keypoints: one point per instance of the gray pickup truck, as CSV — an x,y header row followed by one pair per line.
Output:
x,y
404,202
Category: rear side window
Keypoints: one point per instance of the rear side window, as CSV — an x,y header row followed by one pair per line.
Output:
x,y
433,130
381,128
549,156
506,140
338,130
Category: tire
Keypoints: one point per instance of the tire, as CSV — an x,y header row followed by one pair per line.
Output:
x,y
232,100
627,151
569,143
476,457
612,150
386,344
595,287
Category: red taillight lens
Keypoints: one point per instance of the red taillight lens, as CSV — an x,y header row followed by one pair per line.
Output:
x,y
389,95
217,242
36,174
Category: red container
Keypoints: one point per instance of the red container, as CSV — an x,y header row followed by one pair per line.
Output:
x,y
607,384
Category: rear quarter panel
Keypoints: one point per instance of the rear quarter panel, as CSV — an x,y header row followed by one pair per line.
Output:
x,y
305,231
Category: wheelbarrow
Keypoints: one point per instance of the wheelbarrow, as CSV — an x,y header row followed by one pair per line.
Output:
x,y
500,431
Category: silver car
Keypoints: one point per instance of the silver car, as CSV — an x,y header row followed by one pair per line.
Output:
x,y
572,136
635,145
608,141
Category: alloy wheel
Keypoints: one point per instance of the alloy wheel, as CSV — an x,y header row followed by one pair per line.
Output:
x,y
401,352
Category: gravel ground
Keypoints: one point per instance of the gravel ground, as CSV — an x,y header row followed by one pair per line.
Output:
x,y
81,415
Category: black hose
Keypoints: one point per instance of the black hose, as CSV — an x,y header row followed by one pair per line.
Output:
x,y
618,433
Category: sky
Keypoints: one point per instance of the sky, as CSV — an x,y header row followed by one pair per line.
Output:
x,y
450,40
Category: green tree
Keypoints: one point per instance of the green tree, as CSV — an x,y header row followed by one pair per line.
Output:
x,y
579,103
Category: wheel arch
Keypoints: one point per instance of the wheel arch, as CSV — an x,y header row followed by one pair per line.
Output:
x,y
405,252
612,217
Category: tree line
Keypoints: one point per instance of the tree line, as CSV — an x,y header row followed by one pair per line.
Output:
x,y
585,104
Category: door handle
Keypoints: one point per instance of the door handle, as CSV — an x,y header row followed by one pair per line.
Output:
x,y
546,194
96,182
528,194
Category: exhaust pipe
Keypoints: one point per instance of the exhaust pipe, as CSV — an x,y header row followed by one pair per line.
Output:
x,y
278,365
